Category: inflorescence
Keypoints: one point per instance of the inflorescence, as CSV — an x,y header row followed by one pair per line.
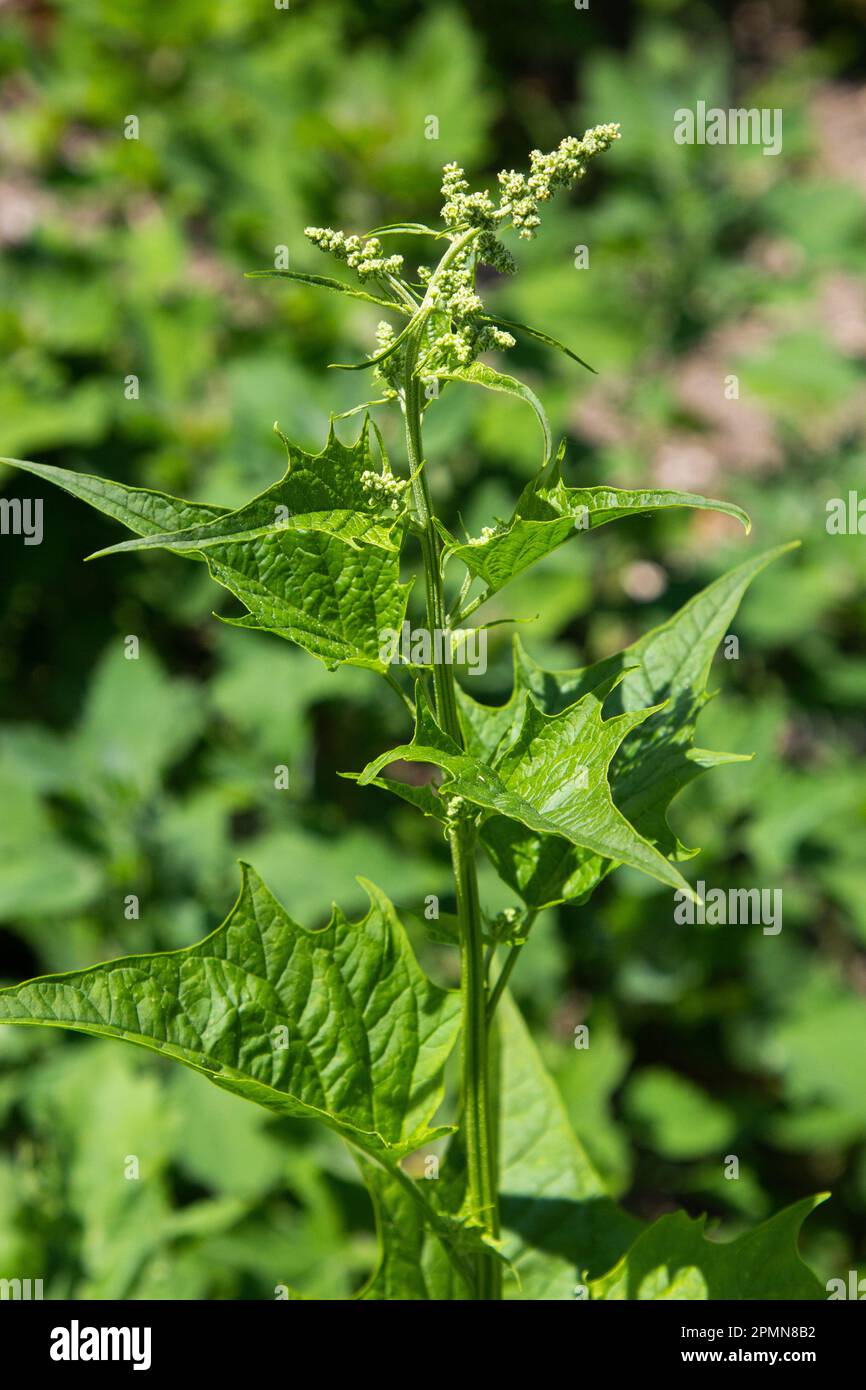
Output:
x,y
456,331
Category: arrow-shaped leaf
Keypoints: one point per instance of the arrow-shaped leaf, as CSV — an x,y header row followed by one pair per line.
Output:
x,y
548,513
324,577
551,780
140,509
336,492
670,664
340,1024
325,282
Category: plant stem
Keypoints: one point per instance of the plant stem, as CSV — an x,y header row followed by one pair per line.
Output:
x,y
475,1090
510,961
502,980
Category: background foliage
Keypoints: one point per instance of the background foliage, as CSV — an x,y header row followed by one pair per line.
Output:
x,y
153,777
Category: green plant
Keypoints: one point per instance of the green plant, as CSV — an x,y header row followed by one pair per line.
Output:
x,y
569,779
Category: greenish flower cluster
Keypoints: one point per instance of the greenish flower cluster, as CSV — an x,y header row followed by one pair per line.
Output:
x,y
459,333
456,331
383,489
363,255
521,194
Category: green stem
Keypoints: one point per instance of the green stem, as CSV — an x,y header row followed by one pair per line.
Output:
x,y
475,1090
502,980
510,961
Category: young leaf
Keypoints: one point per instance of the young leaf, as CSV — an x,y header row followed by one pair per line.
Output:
x,y
339,1024
141,510
539,337
552,780
407,229
671,663
336,492
327,283
415,325
548,513
480,375
673,1259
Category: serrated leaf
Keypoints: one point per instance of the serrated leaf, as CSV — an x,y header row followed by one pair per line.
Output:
x,y
367,1038
329,492
551,780
658,759
325,282
478,374
330,598
329,593
673,1259
548,513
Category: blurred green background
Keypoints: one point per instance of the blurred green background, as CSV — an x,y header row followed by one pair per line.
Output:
x,y
152,777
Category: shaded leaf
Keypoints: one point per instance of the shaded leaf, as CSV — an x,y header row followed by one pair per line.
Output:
x,y
415,1261
673,1259
558,1219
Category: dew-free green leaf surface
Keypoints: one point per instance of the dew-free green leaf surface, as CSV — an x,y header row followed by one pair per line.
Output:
x,y
326,578
668,668
333,492
552,780
142,510
412,1263
558,1220
326,282
548,512
340,1025
331,598
481,375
